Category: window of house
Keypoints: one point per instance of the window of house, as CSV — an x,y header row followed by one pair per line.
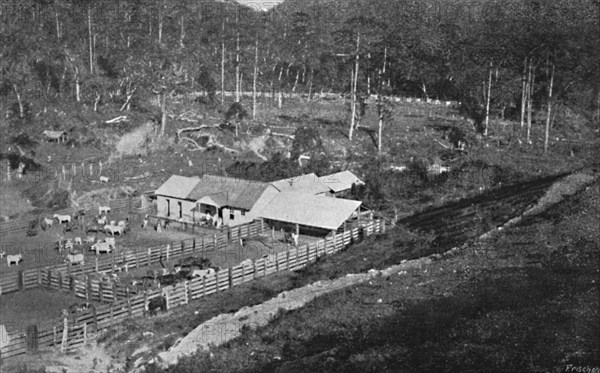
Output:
x,y
180,210
243,213
168,207
231,215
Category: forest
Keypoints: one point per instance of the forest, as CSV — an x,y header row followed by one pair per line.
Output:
x,y
512,58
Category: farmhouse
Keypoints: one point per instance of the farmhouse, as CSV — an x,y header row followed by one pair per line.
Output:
x,y
55,136
216,200
307,183
307,213
341,183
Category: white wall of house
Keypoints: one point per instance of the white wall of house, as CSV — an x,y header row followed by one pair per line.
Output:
x,y
175,208
239,217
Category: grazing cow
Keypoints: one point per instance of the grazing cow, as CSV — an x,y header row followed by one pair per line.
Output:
x,y
104,179
111,241
14,259
75,258
78,241
113,229
102,220
113,222
62,218
90,239
156,304
101,247
202,272
2,253
103,209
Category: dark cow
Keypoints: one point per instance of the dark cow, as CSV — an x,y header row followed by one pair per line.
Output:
x,y
156,304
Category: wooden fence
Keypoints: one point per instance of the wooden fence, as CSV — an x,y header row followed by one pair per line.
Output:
x,y
74,331
31,278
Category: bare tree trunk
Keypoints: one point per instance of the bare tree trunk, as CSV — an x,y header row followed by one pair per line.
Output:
x,y
223,61
237,67
530,99
351,131
181,33
296,81
160,22
20,102
163,110
547,135
77,86
487,105
524,94
58,36
310,84
90,39
254,78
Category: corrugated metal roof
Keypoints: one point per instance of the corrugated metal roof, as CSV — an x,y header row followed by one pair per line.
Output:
x,y
228,191
308,183
178,186
308,209
340,180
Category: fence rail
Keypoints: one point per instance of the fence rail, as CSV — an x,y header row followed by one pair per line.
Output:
x,y
83,326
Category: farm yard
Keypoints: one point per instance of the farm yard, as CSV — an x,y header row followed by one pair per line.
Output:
x,y
319,186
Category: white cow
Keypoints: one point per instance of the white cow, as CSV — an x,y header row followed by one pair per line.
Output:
x,y
104,179
62,218
103,209
111,241
75,258
101,247
202,272
16,258
113,229
90,239
78,241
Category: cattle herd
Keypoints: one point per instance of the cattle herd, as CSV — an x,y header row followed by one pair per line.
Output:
x,y
73,248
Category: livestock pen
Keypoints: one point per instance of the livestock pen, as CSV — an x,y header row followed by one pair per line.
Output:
x,y
69,333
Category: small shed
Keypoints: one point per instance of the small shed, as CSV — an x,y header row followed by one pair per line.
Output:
x,y
341,183
55,136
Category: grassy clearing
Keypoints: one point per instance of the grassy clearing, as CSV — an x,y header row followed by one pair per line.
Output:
x,y
493,309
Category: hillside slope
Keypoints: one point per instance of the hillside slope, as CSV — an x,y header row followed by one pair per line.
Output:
x,y
526,300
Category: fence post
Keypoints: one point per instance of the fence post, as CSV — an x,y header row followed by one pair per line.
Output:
x,y
88,286
230,277
307,254
215,241
149,257
39,275
21,280
114,291
63,345
128,302
194,244
48,280
100,292
85,341
96,264
186,288
202,245
59,280
382,225
287,260
168,248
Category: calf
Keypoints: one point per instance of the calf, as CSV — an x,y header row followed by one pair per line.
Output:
x,y
104,179
14,259
75,258
103,209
